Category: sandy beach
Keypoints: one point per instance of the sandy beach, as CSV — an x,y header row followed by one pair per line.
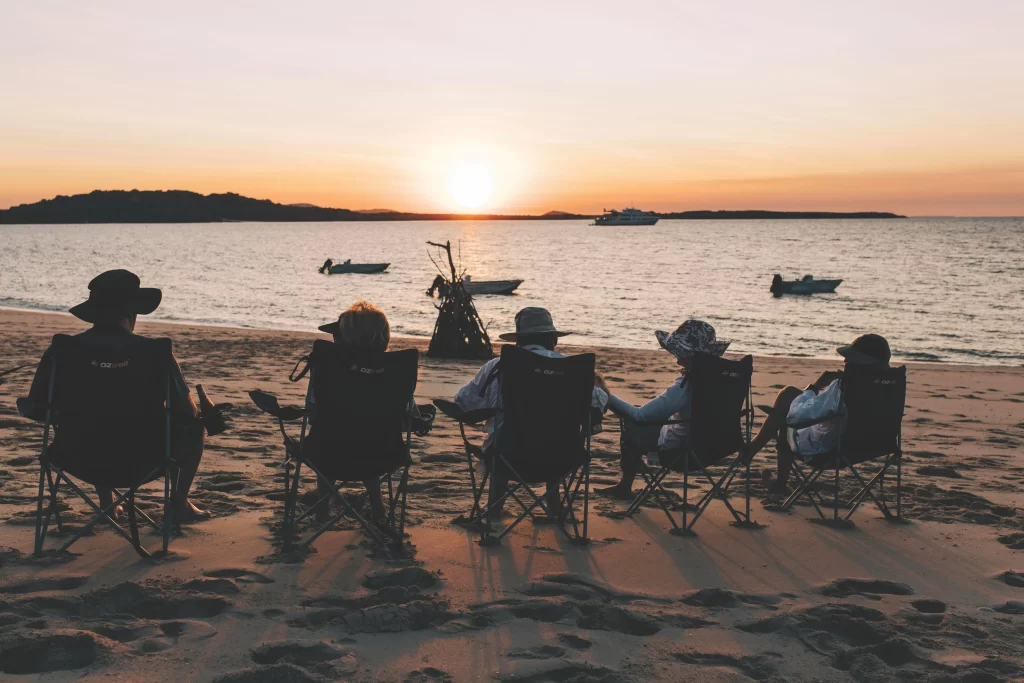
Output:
x,y
940,598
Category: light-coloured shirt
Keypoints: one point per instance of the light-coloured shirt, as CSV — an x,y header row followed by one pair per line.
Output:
x,y
483,391
672,404
821,437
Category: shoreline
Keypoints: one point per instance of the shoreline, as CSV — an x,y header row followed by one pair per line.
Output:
x,y
422,340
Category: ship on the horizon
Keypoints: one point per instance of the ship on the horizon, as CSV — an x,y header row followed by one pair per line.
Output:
x,y
626,217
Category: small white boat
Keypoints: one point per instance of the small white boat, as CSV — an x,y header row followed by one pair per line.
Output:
x,y
626,217
349,267
806,285
481,288
490,286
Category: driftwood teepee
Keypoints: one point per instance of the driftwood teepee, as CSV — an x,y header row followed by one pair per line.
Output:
x,y
458,332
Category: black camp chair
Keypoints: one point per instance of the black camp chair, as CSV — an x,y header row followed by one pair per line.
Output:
x,y
720,424
477,481
363,405
109,404
874,397
545,436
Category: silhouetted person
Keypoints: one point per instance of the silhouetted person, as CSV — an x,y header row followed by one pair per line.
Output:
x,y
115,301
326,267
819,400
535,332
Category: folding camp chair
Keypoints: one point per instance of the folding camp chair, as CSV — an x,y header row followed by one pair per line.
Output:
x,y
720,424
109,405
363,425
473,454
874,397
545,436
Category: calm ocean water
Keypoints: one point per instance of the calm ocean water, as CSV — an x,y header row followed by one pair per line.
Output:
x,y
939,289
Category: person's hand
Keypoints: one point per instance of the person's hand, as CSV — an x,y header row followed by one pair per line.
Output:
x,y
825,379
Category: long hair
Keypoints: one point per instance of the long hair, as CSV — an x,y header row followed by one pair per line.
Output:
x,y
364,327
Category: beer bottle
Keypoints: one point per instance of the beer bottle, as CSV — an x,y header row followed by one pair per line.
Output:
x,y
213,421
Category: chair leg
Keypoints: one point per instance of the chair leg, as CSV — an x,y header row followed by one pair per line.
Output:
x,y
133,524
686,489
586,501
166,525
899,484
40,531
835,510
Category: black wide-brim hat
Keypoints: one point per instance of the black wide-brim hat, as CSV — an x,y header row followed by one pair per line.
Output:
x,y
867,349
117,291
329,328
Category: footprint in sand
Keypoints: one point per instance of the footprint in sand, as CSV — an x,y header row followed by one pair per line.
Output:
x,y
239,575
1014,541
324,658
574,641
33,653
274,673
63,583
428,674
759,667
1012,578
869,588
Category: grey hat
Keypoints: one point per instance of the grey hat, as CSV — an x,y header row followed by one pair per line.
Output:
x,y
530,321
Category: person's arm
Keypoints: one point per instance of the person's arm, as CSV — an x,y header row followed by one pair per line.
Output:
x,y
310,398
659,409
809,407
34,406
182,405
476,393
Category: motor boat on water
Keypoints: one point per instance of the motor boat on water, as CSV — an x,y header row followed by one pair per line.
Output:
x,y
331,268
479,288
626,217
805,285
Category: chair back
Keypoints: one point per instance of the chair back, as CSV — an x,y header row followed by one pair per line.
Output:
x,y
546,412
720,389
110,406
362,408
874,397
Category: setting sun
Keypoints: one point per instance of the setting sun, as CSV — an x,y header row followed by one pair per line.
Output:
x,y
471,185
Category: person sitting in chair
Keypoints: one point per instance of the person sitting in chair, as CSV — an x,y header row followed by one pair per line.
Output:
x,y
115,301
362,327
535,331
690,338
819,400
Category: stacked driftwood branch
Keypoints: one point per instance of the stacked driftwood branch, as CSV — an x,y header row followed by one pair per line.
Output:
x,y
458,332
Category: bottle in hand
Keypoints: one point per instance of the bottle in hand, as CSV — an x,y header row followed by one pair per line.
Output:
x,y
213,421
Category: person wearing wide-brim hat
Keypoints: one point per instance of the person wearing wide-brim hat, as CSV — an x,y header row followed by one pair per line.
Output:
x,y
819,400
690,339
116,299
535,332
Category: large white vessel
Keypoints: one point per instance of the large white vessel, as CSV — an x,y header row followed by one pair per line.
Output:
x,y
626,217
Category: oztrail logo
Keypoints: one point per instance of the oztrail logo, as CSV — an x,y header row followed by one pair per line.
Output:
x,y
106,365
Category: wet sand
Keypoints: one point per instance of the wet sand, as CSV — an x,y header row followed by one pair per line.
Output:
x,y
938,599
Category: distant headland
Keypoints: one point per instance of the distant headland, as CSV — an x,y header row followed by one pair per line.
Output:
x,y
180,206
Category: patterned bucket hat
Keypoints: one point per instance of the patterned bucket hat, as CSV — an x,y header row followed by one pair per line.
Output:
x,y
692,337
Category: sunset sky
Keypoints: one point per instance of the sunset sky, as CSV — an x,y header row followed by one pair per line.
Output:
x,y
910,106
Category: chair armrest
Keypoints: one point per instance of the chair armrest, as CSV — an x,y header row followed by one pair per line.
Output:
x,y
470,417
810,423
268,404
655,424
29,408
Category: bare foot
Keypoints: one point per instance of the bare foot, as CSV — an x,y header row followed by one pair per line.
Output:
x,y
190,513
618,492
